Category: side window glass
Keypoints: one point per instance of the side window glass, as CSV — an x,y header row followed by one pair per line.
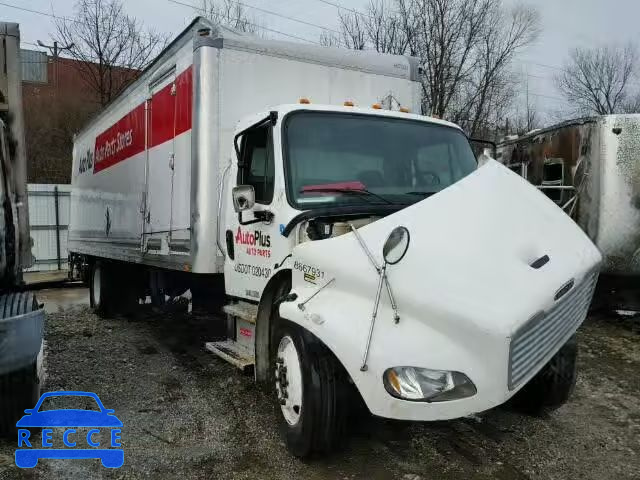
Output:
x,y
258,167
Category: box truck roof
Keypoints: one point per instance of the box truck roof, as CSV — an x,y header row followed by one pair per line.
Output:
x,y
202,32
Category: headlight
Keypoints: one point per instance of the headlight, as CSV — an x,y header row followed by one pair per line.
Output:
x,y
423,384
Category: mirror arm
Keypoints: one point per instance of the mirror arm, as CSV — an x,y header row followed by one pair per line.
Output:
x,y
260,216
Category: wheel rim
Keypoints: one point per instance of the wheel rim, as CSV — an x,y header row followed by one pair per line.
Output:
x,y
289,380
96,285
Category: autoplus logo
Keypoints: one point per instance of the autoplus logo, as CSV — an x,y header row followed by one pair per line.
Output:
x,y
69,433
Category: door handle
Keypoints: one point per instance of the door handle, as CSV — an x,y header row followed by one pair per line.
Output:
x,y
171,161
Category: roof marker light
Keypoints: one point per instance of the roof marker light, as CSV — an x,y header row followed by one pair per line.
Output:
x,y
348,103
376,106
404,110
304,101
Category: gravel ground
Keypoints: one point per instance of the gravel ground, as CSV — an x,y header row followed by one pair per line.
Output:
x,y
187,414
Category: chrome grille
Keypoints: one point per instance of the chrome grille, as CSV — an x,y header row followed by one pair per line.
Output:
x,y
537,340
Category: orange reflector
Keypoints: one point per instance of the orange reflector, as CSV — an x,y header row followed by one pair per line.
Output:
x,y
305,101
348,104
394,381
376,106
404,110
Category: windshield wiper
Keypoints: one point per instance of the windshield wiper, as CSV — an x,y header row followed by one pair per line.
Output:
x,y
349,191
424,194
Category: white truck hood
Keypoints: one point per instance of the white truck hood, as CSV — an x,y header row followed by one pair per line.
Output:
x,y
470,254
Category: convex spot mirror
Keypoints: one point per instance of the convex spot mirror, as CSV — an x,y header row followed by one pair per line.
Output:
x,y
244,197
396,245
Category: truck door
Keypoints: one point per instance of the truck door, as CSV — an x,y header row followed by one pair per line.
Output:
x,y
252,246
161,117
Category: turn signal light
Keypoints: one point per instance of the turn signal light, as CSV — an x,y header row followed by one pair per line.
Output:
x,y
376,106
305,101
348,104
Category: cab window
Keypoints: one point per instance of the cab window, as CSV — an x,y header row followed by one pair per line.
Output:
x,y
257,164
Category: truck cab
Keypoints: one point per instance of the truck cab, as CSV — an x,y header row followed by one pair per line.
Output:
x,y
304,172
366,248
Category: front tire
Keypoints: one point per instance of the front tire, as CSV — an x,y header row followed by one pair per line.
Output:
x,y
553,385
312,392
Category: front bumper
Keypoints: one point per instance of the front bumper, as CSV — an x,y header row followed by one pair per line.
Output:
x,y
490,358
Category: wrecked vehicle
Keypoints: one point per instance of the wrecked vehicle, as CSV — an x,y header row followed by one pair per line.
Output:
x,y
21,317
590,168
356,249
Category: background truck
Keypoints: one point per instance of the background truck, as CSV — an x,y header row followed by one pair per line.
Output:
x,y
21,319
352,247
590,167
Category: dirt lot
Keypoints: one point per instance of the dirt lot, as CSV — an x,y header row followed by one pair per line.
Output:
x,y
187,414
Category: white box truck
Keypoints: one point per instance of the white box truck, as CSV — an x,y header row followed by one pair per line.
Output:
x,y
354,248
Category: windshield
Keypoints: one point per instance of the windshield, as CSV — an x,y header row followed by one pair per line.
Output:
x,y
335,159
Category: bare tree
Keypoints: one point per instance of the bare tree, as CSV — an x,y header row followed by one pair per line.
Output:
x,y
329,39
353,27
466,48
231,14
526,119
501,38
597,80
110,46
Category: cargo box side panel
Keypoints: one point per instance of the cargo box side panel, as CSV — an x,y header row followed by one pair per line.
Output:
x,y
108,179
119,162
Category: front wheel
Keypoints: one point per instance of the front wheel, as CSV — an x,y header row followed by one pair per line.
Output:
x,y
312,392
553,385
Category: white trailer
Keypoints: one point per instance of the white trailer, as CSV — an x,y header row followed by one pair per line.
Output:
x,y
356,244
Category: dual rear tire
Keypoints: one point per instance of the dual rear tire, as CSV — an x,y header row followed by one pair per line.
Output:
x,y
113,288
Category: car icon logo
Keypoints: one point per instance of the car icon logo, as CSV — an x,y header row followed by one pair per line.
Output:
x,y
77,444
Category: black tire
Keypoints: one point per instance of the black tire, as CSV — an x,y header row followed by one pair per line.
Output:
x,y
553,385
320,426
119,288
19,389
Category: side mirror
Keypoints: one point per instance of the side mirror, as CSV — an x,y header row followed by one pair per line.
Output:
x,y
244,198
396,245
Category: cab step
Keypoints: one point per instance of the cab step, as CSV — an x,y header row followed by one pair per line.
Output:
x,y
232,352
242,310
238,348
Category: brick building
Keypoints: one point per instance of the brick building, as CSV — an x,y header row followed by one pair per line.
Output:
x,y
57,102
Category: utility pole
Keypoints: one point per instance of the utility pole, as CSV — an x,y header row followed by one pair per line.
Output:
x,y
55,53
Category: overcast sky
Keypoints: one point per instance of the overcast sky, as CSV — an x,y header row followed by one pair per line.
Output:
x,y
565,23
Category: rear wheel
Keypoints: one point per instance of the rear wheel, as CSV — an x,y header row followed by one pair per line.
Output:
x,y
114,288
312,392
553,385
100,288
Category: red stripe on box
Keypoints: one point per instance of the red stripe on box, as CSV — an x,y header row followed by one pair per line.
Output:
x,y
169,116
122,140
